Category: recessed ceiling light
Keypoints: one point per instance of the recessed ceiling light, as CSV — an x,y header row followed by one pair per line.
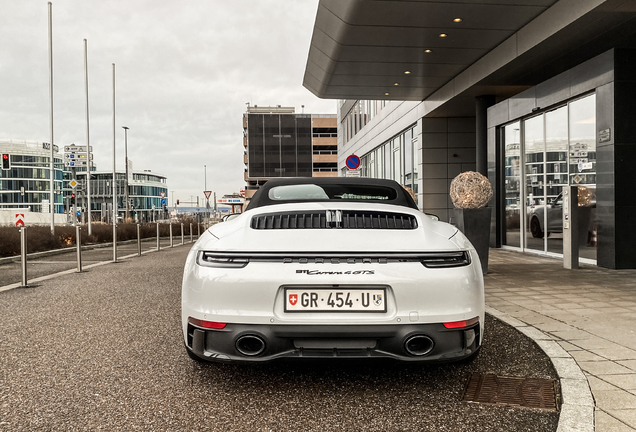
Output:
x,y
428,51
457,20
396,84
443,35
386,94
407,72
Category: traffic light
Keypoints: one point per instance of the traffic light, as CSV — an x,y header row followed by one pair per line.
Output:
x,y
6,161
177,202
72,199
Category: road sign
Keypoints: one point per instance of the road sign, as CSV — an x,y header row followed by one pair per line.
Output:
x,y
73,183
76,149
76,163
352,173
207,194
164,201
353,162
79,212
77,156
162,194
19,219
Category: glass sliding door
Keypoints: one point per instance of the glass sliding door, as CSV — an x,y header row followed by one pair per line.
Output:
x,y
583,170
534,193
556,169
512,185
558,148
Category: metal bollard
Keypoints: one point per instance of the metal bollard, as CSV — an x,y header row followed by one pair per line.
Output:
x,y
191,233
171,244
198,229
78,243
23,252
138,240
182,243
158,241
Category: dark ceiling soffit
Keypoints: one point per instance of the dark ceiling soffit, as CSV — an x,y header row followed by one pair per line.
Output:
x,y
567,46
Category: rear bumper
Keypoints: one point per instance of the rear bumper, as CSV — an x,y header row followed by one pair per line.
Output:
x,y
333,341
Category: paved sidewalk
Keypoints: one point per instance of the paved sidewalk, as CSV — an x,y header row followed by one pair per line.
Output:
x,y
590,312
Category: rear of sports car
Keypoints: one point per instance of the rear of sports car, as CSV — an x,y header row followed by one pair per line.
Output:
x,y
314,280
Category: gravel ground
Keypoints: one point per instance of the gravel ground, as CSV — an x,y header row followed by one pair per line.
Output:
x,y
103,350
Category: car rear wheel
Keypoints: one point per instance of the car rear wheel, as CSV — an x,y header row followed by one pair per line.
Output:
x,y
535,228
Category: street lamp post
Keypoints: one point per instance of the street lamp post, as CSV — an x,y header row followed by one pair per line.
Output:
x,y
126,180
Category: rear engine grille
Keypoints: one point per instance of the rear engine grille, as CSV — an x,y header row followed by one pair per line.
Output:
x,y
347,219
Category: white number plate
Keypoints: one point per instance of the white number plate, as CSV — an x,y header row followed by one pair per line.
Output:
x,y
335,300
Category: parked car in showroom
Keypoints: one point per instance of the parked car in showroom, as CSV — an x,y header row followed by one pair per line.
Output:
x,y
332,268
554,211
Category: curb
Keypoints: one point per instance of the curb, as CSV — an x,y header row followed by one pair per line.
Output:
x,y
577,407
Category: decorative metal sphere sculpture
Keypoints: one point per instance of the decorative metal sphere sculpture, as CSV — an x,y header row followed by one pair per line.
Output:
x,y
470,190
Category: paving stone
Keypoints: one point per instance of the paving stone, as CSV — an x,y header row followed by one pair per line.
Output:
x,y
607,423
576,392
631,364
571,335
567,368
583,356
576,418
552,349
624,381
627,416
598,368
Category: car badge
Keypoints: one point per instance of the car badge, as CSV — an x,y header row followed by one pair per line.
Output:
x,y
377,299
293,299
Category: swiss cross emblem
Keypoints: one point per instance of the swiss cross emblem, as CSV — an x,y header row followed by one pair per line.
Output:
x,y
293,299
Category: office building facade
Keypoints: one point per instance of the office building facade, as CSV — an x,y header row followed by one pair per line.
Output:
x,y
536,95
282,143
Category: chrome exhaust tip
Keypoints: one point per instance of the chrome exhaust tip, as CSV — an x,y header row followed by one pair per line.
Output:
x,y
419,345
250,345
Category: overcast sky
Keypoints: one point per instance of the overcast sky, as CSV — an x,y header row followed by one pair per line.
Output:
x,y
184,72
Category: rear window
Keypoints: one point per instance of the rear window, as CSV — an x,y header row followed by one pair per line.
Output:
x,y
334,192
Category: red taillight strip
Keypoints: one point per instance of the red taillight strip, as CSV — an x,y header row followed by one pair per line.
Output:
x,y
461,324
206,324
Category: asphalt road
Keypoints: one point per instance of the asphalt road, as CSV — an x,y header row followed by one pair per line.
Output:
x,y
103,350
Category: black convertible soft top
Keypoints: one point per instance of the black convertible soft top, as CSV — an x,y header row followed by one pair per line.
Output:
x,y
330,189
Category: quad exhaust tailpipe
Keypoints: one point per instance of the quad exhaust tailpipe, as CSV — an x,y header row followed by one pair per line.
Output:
x,y
250,345
419,345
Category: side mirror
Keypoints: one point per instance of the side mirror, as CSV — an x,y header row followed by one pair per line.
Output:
x,y
432,216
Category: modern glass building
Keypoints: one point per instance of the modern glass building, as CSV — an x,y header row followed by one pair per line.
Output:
x,y
27,182
535,94
144,193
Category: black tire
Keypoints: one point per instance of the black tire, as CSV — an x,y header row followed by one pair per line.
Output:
x,y
535,228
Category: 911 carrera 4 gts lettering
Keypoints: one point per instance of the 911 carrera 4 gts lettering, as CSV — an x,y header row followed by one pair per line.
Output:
x,y
348,272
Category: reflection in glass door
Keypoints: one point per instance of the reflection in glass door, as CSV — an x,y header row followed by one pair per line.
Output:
x,y
534,149
512,185
558,148
556,168
583,170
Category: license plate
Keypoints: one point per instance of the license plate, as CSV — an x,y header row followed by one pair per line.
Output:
x,y
335,300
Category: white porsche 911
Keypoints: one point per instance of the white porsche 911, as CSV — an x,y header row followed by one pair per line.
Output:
x,y
332,268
